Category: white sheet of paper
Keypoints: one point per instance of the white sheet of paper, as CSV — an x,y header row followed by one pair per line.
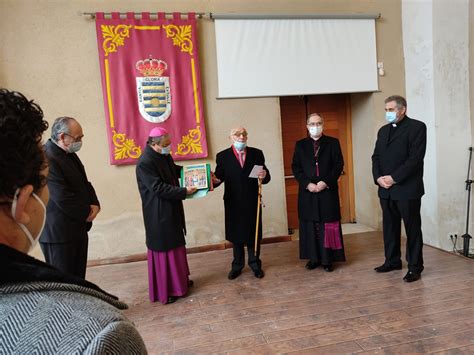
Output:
x,y
255,171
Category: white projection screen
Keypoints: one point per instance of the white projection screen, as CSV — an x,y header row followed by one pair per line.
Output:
x,y
284,57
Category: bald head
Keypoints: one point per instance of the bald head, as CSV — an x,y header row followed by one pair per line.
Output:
x,y
315,115
238,135
315,125
237,131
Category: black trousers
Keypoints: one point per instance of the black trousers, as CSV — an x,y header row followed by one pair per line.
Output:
x,y
70,257
393,212
239,256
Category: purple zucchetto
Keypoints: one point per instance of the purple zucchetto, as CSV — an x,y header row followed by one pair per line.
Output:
x,y
158,132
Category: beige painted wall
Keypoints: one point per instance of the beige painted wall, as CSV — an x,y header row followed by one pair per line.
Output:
x,y
471,100
437,64
462,225
49,52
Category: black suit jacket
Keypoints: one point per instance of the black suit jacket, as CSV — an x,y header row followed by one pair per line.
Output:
x,y
18,267
70,197
163,214
240,194
322,206
401,155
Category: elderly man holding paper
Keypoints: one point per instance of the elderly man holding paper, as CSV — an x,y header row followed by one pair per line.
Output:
x,y
241,168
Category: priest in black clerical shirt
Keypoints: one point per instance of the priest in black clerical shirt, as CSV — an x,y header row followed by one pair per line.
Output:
x,y
397,168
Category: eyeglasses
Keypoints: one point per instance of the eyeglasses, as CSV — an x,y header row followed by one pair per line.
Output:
x,y
238,134
76,139
315,124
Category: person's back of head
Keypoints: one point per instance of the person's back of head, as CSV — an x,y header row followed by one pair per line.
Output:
x,y
21,129
59,312
23,170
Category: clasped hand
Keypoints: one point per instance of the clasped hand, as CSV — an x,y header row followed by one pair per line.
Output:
x,y
385,181
320,186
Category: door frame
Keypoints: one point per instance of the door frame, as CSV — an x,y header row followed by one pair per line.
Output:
x,y
350,162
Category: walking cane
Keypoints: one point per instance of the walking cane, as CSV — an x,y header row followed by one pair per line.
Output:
x,y
259,202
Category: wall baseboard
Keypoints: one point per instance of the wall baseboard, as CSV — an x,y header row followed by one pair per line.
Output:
x,y
199,249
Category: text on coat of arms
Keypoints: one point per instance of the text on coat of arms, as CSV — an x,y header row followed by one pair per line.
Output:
x,y
153,90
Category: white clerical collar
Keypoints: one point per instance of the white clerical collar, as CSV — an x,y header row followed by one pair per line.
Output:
x,y
394,125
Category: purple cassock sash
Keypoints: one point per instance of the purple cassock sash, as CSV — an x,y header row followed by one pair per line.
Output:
x,y
332,236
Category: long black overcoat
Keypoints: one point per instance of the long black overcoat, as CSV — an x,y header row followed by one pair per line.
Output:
x,y
401,156
240,194
321,206
163,214
70,197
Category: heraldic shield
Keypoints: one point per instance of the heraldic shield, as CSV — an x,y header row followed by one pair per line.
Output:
x,y
153,90
154,98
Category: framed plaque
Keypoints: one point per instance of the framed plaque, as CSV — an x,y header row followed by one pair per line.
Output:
x,y
199,176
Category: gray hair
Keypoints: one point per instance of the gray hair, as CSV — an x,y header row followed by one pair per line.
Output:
x,y
314,114
60,125
399,100
156,140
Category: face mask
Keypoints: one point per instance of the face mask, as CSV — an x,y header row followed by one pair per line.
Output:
x,y
240,145
33,241
166,150
391,116
315,131
74,147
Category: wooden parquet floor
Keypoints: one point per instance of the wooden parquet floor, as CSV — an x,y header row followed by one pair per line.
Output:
x,y
351,310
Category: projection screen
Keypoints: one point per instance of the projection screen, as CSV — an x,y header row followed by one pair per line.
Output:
x,y
284,57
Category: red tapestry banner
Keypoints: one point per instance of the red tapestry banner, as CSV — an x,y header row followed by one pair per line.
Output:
x,y
151,78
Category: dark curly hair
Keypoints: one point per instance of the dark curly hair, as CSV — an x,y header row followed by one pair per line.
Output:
x,y
21,155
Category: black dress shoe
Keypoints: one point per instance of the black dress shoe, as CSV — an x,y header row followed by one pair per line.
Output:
x,y
233,274
412,276
310,265
259,274
328,268
387,268
171,299
190,283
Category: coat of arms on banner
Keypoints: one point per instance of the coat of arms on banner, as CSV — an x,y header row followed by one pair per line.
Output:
x,y
153,90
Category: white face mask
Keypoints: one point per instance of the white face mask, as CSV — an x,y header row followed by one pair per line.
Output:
x,y
315,131
240,145
74,147
166,150
33,241
391,116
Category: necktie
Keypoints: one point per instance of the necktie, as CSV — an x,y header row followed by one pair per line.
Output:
x,y
241,157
